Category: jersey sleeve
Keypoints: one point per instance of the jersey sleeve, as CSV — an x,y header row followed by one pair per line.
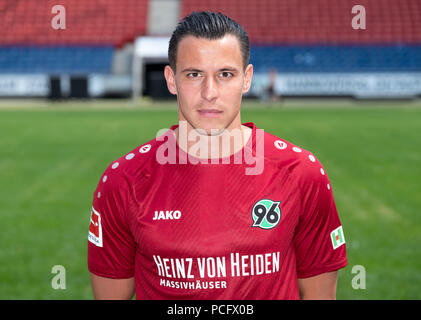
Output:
x,y
111,247
319,239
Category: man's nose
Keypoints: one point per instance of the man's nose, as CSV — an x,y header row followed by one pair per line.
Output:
x,y
209,89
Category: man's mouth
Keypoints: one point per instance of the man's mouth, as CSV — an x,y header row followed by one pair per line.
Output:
x,y
209,113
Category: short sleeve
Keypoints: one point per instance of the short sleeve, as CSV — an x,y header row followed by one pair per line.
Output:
x,y
319,239
111,247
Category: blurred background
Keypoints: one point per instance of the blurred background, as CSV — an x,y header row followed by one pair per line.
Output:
x,y
81,84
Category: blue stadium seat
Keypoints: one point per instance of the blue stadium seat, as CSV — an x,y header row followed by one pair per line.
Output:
x,y
53,60
340,58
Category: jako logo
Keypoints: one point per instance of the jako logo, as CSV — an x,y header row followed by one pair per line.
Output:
x,y
167,215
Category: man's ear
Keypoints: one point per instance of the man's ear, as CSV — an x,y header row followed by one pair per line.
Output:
x,y
248,75
170,78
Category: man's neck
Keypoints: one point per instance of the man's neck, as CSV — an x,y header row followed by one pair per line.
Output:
x,y
204,146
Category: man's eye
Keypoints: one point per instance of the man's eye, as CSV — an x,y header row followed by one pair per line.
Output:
x,y
226,74
193,75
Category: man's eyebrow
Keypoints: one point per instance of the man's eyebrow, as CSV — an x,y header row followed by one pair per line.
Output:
x,y
228,69
191,70
198,70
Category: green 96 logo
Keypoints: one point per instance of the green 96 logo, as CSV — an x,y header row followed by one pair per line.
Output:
x,y
266,214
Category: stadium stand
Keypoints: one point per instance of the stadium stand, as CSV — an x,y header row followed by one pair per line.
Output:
x,y
289,36
93,22
337,58
303,41
52,60
28,43
319,21
316,36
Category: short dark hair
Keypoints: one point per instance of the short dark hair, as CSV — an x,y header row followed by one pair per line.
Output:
x,y
208,25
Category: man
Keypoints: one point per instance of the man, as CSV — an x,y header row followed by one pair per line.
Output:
x,y
181,219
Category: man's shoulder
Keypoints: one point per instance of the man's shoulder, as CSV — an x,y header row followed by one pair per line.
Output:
x,y
280,149
132,164
299,161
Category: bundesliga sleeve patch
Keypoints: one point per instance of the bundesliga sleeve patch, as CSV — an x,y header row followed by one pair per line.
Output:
x,y
337,237
95,228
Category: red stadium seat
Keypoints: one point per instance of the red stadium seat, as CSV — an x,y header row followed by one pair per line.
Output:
x,y
318,21
93,21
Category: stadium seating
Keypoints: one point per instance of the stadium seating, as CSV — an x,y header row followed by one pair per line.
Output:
x,y
319,21
29,44
317,35
336,58
90,22
288,35
54,60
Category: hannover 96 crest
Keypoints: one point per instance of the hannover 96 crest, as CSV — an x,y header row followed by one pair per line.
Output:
x,y
266,214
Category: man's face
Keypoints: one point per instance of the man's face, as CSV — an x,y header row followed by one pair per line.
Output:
x,y
209,82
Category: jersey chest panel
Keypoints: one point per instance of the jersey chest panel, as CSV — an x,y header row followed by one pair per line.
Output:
x,y
216,222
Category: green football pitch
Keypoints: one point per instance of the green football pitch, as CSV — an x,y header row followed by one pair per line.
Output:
x,y
52,156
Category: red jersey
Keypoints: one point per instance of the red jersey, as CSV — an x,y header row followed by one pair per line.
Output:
x,y
195,230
